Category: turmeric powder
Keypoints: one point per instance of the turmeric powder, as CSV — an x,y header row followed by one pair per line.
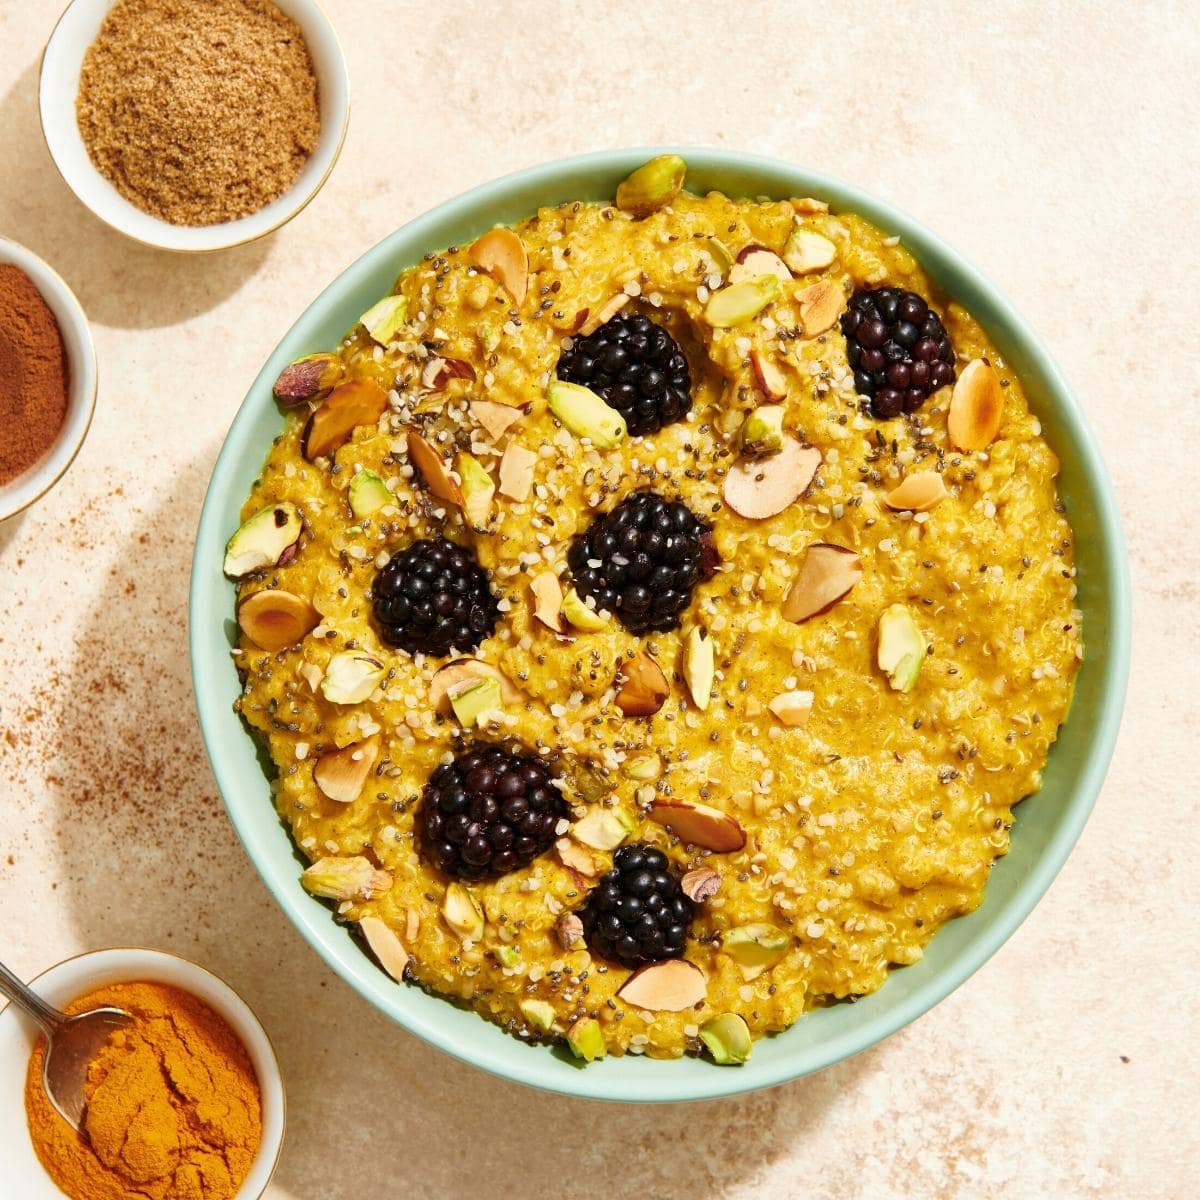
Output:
x,y
174,1110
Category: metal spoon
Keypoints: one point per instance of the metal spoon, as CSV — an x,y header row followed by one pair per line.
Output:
x,y
71,1044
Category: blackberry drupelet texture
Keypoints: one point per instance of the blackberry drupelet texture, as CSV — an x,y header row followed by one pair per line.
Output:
x,y
638,912
489,812
898,348
642,560
434,597
637,367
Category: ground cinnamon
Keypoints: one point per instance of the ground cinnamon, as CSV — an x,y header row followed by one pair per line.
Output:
x,y
33,374
198,111
174,1110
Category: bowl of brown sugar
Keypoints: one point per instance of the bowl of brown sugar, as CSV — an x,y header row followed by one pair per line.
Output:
x,y
194,125
47,378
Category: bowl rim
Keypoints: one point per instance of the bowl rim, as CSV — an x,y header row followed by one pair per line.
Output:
x,y
83,382
321,20
933,253
232,1006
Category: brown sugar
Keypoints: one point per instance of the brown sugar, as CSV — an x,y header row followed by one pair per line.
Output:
x,y
33,374
199,111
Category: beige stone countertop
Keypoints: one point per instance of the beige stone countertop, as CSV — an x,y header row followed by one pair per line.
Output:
x,y
1053,144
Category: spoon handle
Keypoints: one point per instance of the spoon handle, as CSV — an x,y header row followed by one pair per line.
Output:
x,y
46,1015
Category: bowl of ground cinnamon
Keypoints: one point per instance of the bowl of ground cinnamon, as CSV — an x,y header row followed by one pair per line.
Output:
x,y
47,378
194,125
184,1102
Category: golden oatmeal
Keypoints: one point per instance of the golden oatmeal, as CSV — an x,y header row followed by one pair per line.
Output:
x,y
654,612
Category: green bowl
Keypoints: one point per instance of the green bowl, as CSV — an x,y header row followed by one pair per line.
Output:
x,y
1047,825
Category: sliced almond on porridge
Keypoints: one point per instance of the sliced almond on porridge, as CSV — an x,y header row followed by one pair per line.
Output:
x,y
792,708
496,419
307,378
462,913
820,306
767,375
807,206
274,619
754,261
757,490
386,945
826,574
806,250
453,676
311,674
342,774
576,858
349,405
699,825
477,490
502,255
603,314
432,470
438,372
516,471
345,878
701,884
547,600
976,407
917,492
642,688
699,666
670,986
565,323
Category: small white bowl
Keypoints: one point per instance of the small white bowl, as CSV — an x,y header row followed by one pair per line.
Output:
x,y
19,493
24,1175
58,86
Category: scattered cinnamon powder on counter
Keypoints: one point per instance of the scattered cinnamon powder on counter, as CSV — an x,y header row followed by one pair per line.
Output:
x,y
33,374
199,111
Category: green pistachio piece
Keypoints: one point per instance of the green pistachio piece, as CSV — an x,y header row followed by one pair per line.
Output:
x,y
806,250
368,494
353,878
762,431
721,255
477,490
755,947
602,829
351,677
539,1014
652,186
575,609
645,768
586,1039
739,302
261,541
727,1038
384,320
585,414
507,956
307,378
902,649
473,701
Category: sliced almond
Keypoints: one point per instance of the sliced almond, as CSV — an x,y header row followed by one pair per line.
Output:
x,y
428,463
769,378
670,986
565,323
412,924
976,406
358,402
918,492
642,688
757,260
792,708
342,774
757,490
820,306
502,255
699,825
438,372
604,313
701,884
274,620
311,674
806,206
826,575
548,598
495,418
516,471
699,666
576,857
385,945
463,671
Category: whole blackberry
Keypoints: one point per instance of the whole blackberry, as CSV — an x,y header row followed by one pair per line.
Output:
x,y
637,913
642,560
489,812
637,367
898,348
433,597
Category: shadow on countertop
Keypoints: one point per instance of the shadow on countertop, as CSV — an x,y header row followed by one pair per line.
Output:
x,y
119,282
149,858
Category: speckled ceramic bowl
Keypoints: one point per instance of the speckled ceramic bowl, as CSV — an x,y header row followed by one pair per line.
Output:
x,y
1047,825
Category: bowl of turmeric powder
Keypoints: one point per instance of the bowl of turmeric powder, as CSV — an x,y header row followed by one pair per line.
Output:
x,y
186,1100
47,378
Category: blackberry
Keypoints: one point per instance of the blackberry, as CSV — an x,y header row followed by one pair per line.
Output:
x,y
898,348
434,597
637,913
642,560
637,367
489,812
